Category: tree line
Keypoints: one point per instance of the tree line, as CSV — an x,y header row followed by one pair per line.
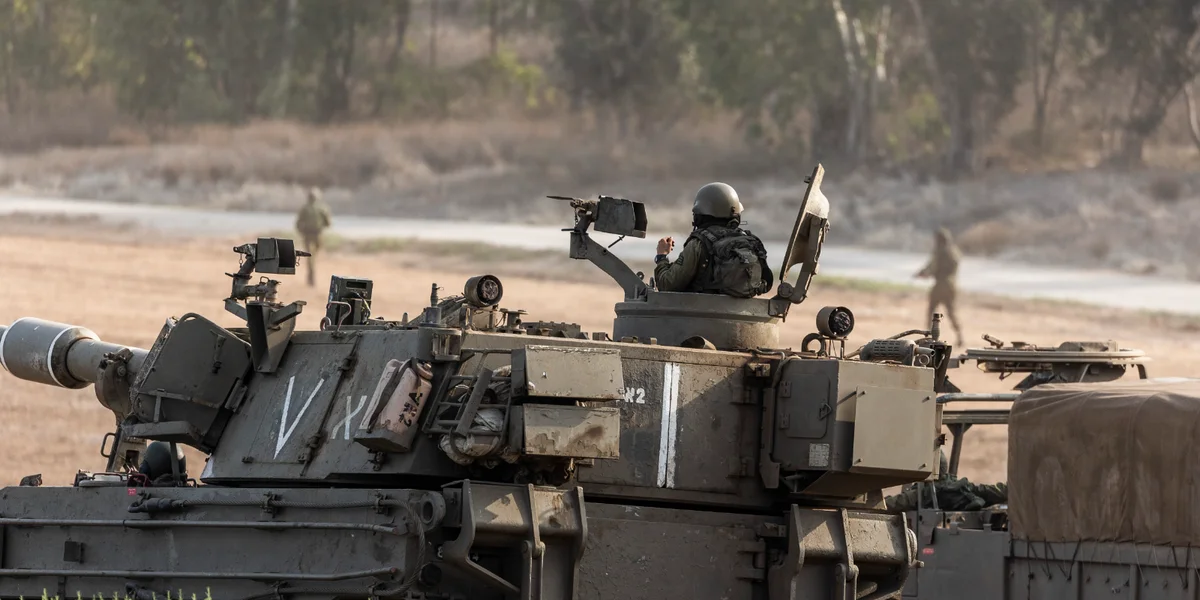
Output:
x,y
863,80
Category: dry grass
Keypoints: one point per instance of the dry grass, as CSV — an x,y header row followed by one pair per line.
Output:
x,y
69,120
128,284
986,238
369,153
455,169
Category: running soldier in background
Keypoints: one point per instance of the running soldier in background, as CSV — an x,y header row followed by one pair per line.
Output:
x,y
943,268
311,222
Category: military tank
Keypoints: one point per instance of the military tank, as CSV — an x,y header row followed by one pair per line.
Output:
x,y
472,452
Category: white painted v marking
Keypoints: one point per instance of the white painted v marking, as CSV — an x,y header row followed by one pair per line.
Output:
x,y
283,435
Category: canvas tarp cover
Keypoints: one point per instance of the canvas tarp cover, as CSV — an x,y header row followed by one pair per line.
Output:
x,y
1114,462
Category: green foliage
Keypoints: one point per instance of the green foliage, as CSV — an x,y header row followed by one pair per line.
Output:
x,y
1154,42
981,47
854,78
505,75
981,54
920,129
761,59
47,44
622,55
148,69
1138,33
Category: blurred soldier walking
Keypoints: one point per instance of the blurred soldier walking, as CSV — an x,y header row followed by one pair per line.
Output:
x,y
312,220
943,268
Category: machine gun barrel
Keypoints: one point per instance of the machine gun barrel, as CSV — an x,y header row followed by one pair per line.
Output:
x,y
59,354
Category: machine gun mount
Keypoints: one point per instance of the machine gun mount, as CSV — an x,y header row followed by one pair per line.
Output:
x,y
1069,362
269,322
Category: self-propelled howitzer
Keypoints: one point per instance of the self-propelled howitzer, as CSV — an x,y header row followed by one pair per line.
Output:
x,y
470,452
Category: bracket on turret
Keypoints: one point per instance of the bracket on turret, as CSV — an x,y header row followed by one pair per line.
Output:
x,y
610,215
269,322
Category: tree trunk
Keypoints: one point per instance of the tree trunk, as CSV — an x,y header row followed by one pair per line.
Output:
x,y
38,7
1146,113
852,53
433,33
1193,120
1043,85
392,65
10,71
86,83
948,103
961,158
1158,85
333,98
403,18
284,91
493,7
829,125
347,70
876,80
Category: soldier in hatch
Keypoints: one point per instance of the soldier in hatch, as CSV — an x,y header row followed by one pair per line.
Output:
x,y
312,220
943,268
953,494
718,257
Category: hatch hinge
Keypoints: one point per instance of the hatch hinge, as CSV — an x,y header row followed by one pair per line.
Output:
x,y
755,566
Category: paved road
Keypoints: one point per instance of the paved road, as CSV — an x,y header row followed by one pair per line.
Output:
x,y
1099,287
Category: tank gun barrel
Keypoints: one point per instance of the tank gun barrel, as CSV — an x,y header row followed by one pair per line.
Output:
x,y
62,355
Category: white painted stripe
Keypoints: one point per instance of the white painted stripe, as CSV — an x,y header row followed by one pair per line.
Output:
x,y
674,427
350,414
670,425
664,431
4,337
50,356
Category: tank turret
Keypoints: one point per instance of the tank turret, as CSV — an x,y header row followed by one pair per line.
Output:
x,y
674,319
474,451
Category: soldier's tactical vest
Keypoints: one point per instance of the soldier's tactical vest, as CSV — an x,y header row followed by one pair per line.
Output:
x,y
732,265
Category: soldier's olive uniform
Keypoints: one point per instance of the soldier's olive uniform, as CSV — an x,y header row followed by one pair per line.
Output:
x,y
716,213
943,267
313,219
677,276
686,274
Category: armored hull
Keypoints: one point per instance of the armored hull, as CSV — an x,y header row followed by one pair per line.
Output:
x,y
472,453
323,543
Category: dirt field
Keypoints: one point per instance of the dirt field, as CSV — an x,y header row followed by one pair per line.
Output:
x,y
122,285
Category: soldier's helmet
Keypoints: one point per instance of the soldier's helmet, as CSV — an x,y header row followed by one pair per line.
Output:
x,y
314,194
156,460
942,235
718,200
